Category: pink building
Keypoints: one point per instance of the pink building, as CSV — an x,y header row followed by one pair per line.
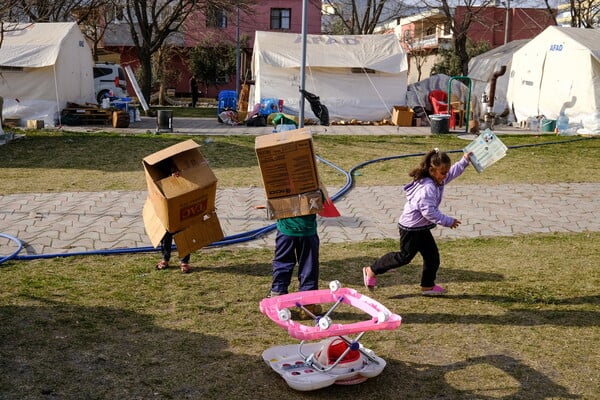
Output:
x,y
273,15
497,24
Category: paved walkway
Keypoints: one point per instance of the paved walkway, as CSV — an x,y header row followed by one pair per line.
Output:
x,y
65,223
62,223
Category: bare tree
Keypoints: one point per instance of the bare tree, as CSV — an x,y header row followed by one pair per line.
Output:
x,y
152,23
56,10
460,28
94,20
356,17
585,13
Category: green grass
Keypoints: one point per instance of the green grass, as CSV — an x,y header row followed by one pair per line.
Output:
x,y
521,320
46,161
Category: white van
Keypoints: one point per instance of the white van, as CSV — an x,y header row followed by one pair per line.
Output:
x,y
109,77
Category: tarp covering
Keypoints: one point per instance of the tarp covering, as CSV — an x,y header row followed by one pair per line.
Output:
x,y
558,70
42,67
417,94
355,76
481,72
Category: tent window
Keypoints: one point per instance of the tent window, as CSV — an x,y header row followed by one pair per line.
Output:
x,y
358,70
280,18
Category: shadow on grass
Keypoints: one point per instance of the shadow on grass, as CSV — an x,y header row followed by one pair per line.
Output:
x,y
115,153
512,380
68,352
54,351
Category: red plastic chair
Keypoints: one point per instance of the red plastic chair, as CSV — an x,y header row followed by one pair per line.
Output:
x,y
439,102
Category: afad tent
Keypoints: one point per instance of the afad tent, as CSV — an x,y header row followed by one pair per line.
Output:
x,y
356,76
42,67
558,70
481,71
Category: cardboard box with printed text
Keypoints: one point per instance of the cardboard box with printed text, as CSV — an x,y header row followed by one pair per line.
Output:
x,y
181,198
181,186
200,234
287,163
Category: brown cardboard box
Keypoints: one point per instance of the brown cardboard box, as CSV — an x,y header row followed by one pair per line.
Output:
x,y
402,116
202,233
35,124
180,201
294,206
287,163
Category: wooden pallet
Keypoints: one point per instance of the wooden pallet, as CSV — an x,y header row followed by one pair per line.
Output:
x,y
85,116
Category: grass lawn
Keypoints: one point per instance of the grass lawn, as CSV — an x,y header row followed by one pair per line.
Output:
x,y
521,320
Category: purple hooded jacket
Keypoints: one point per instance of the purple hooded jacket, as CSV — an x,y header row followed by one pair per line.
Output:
x,y
423,198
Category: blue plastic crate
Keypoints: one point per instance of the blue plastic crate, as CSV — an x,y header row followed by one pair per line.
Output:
x,y
227,99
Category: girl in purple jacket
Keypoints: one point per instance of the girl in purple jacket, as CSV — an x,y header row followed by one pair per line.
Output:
x,y
420,215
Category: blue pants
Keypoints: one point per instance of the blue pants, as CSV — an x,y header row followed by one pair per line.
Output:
x,y
289,250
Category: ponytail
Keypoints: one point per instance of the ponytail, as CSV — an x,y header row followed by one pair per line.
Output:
x,y
434,158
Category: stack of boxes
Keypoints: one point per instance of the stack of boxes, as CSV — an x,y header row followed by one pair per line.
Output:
x,y
181,198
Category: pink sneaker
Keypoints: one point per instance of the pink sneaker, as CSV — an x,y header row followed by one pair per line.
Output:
x,y
433,291
370,282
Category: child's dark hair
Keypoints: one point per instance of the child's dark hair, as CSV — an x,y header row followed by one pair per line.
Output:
x,y
434,158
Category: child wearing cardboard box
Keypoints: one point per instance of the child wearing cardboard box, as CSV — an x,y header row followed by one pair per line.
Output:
x,y
166,243
297,241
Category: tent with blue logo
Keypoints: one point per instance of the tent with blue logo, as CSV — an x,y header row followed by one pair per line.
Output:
x,y
558,71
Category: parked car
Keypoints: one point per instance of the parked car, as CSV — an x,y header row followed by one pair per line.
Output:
x,y
109,77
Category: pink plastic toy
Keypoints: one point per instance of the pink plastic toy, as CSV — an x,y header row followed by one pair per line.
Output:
x,y
337,359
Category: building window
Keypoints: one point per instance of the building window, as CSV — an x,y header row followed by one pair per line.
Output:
x,y
280,18
216,18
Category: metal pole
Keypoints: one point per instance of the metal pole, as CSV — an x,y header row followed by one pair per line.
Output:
x,y
506,24
237,56
302,65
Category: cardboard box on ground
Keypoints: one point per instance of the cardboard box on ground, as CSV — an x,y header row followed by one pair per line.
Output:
x,y
181,197
289,172
402,116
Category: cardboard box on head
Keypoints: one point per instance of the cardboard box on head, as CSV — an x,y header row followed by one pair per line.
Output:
x,y
289,170
181,197
287,163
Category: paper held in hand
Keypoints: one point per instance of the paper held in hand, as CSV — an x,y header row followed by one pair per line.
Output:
x,y
486,149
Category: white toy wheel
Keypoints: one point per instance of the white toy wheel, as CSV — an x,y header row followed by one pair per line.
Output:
x,y
324,323
284,314
382,316
335,285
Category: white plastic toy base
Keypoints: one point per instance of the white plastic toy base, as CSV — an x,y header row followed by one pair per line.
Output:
x,y
287,362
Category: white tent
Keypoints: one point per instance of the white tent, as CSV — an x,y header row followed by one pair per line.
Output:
x,y
42,67
355,76
558,70
481,71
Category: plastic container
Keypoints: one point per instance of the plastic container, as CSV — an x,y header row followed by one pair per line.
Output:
x,y
226,99
440,123
164,121
562,123
269,106
547,125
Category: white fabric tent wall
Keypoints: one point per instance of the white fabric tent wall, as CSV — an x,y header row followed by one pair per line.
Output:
x,y
481,72
558,70
330,60
43,66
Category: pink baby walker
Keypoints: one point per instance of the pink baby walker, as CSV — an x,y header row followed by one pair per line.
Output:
x,y
337,358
